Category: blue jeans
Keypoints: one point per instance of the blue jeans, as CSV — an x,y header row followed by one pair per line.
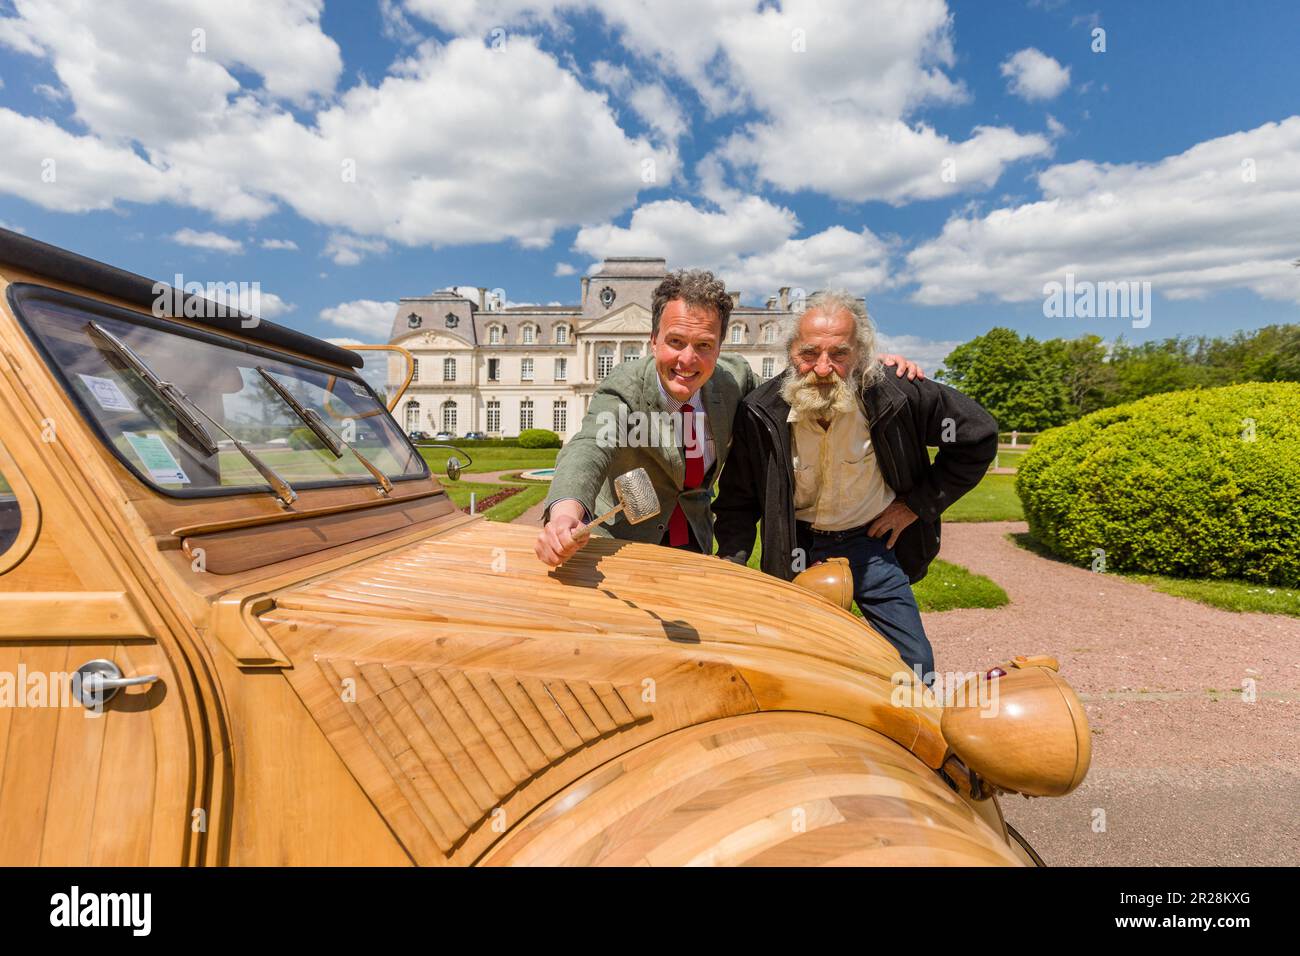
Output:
x,y
880,587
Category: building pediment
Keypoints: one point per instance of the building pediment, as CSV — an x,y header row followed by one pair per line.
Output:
x,y
431,340
630,319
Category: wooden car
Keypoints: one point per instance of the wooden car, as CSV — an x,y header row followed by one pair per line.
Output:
x,y
242,623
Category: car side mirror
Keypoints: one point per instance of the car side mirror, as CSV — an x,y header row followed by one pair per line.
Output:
x,y
453,468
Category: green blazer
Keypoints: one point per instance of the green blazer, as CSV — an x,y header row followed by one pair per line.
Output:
x,y
590,461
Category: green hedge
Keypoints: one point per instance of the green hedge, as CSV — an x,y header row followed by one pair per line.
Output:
x,y
539,438
1202,483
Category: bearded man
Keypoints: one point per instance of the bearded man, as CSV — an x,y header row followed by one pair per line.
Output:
x,y
833,457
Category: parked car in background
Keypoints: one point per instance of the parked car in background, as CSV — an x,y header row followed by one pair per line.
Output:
x,y
444,436
476,436
418,436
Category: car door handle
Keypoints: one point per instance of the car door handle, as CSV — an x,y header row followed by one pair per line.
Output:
x,y
98,681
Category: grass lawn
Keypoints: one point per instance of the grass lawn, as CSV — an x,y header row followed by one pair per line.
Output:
x,y
492,459
1225,594
946,588
505,511
993,499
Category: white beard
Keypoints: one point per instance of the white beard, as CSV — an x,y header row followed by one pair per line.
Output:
x,y
807,399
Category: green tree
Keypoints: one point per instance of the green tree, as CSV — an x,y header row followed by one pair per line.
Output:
x,y
1086,372
1012,377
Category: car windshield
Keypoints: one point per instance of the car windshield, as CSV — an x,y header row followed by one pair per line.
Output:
x,y
220,376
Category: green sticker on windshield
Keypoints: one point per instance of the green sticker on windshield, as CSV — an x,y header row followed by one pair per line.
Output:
x,y
157,458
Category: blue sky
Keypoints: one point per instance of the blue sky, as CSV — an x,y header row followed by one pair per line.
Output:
x,y
803,144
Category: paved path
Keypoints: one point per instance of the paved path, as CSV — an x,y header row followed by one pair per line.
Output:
x,y
1183,770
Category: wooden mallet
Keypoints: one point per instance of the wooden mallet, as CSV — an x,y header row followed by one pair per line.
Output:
x,y
636,499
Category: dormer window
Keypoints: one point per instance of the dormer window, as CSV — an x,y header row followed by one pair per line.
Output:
x,y
452,320
529,334
607,297
494,335
413,321
737,334
561,334
769,334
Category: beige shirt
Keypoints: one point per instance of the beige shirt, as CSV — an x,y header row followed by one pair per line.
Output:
x,y
837,480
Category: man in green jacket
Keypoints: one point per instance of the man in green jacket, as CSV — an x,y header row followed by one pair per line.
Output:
x,y
670,413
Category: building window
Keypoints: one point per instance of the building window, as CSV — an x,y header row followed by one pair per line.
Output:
x,y
494,416
526,414
494,335
607,297
769,334
413,321
737,334
452,320
560,418
415,370
561,334
412,416
631,353
449,370
449,417
604,361
494,370
526,370
529,334
561,369
769,367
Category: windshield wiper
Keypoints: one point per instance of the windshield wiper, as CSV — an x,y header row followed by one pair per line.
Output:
x,y
170,395
330,438
184,408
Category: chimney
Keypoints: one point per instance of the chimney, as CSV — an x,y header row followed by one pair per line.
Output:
x,y
482,298
771,302
784,293
586,281
735,299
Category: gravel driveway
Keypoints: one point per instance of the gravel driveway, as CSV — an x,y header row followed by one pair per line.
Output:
x,y
1184,771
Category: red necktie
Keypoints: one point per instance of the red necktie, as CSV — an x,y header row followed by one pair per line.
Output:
x,y
679,532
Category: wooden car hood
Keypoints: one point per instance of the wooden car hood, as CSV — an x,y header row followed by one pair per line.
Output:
x,y
463,682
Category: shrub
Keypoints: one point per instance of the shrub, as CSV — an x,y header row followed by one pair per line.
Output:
x,y
1202,483
539,438
303,439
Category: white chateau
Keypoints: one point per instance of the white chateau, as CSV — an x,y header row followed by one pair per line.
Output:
x,y
500,371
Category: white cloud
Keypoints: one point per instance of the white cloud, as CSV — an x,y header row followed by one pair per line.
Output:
x,y
11,227
747,240
55,169
835,83
249,298
348,250
1191,224
51,93
345,342
564,269
375,319
207,240
927,353
288,244
165,123
1033,75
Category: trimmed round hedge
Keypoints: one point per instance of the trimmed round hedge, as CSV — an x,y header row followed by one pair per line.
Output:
x,y
1202,484
539,438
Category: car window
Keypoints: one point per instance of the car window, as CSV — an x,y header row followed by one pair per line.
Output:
x,y
11,518
221,377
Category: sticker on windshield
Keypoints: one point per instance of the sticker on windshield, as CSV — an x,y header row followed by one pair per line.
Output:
x,y
157,458
108,393
358,390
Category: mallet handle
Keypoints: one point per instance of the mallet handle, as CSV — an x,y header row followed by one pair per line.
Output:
x,y
586,528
